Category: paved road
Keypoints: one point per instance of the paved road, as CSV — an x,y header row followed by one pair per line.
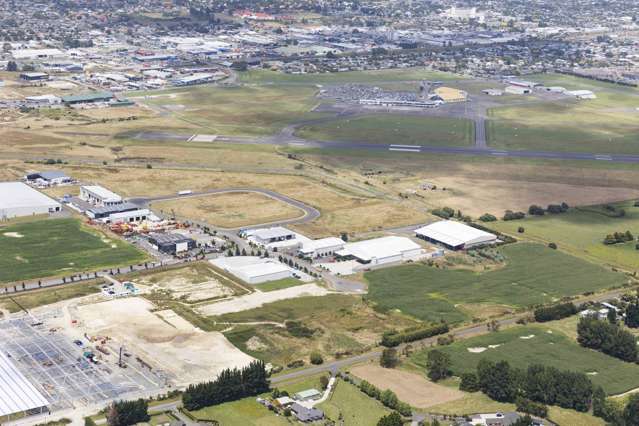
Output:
x,y
310,212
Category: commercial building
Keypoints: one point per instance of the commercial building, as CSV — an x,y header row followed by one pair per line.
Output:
x,y
132,216
322,247
170,243
17,394
455,235
581,94
99,196
48,178
19,199
267,236
104,212
43,100
493,92
449,94
518,90
382,250
87,98
197,78
34,76
254,270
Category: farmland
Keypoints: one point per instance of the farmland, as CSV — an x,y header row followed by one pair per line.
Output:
x,y
522,346
532,274
400,129
581,232
54,247
232,210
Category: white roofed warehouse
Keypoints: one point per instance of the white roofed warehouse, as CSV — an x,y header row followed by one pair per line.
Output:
x,y
455,235
17,394
18,199
252,269
322,247
379,251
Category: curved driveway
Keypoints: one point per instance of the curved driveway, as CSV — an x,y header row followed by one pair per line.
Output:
x,y
310,212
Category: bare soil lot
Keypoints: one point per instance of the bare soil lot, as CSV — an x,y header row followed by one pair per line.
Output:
x,y
232,210
193,283
411,388
166,341
257,299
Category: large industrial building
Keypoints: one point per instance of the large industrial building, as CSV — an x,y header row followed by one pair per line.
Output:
x,y
254,270
455,235
17,394
379,251
18,199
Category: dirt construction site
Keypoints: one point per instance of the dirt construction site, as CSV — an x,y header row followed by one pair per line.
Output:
x,y
83,352
163,340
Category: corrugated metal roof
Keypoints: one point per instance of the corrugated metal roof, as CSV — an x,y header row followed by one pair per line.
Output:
x,y
454,233
17,394
88,97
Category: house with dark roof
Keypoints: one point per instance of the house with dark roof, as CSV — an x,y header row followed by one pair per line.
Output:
x,y
305,414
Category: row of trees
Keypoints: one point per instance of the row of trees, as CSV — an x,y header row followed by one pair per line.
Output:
x,y
511,215
536,210
555,312
607,337
394,338
386,397
230,385
619,238
538,384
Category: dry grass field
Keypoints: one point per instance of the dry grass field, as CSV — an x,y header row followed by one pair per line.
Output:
x,y
342,208
478,186
232,210
411,388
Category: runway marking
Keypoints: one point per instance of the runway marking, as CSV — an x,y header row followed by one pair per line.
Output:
x,y
405,149
503,153
406,146
297,143
191,138
603,157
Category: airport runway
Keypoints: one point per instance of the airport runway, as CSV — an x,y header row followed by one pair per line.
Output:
x,y
286,139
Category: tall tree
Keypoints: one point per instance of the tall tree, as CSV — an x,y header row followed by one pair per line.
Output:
x,y
438,365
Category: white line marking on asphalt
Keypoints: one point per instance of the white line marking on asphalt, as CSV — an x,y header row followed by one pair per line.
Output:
x,y
404,149
191,138
603,157
406,146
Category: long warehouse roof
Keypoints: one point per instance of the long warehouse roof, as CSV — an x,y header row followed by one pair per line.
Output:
x,y
17,394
